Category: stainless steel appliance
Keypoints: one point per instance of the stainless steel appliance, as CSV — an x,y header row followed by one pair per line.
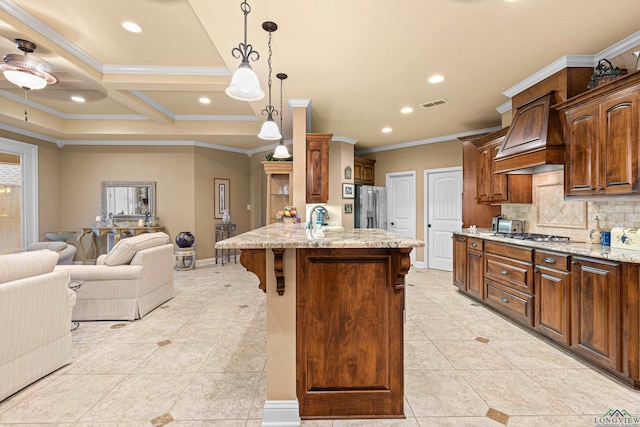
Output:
x,y
370,208
494,222
510,226
534,236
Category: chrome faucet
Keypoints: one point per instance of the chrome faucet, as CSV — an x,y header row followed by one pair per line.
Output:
x,y
321,211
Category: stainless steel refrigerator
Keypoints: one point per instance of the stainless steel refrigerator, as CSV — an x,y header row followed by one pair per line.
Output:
x,y
370,207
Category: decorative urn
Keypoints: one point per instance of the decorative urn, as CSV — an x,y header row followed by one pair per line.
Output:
x,y
185,239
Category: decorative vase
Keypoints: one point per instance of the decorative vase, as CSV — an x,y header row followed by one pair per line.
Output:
x,y
185,239
596,233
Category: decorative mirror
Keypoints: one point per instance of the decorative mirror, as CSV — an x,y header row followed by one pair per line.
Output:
x,y
128,200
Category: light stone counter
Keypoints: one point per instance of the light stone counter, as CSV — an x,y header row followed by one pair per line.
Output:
x,y
284,236
575,248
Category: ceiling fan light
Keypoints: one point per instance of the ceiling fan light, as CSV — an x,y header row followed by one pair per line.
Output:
x,y
269,131
244,84
25,79
281,151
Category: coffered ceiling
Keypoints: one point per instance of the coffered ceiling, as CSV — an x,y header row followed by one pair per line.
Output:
x,y
358,61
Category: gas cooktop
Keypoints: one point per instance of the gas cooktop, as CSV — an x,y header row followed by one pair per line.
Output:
x,y
534,236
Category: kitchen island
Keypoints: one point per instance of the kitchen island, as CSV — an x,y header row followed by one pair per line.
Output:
x,y
335,309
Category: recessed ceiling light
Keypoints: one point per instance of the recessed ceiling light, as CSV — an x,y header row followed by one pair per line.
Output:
x,y
76,98
436,78
406,110
386,130
131,26
205,100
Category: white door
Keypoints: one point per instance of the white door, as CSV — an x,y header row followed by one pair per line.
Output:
x,y
444,215
401,204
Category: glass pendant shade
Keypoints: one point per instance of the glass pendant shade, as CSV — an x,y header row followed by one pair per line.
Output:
x,y
269,130
244,84
281,151
24,79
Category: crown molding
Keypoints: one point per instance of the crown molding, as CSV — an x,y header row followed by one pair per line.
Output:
x,y
344,139
429,140
104,117
300,102
31,134
622,46
120,142
166,70
215,118
153,103
505,107
250,153
20,14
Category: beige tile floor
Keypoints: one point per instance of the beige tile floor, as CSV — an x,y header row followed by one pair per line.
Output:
x,y
199,361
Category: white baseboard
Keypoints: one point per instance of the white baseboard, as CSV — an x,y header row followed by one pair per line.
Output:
x,y
281,413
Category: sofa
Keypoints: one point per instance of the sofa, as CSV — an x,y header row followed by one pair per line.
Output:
x,y
134,278
35,318
65,251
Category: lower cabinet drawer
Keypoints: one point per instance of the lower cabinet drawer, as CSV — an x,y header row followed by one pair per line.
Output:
x,y
509,301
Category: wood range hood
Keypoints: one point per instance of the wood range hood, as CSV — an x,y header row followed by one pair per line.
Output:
x,y
534,142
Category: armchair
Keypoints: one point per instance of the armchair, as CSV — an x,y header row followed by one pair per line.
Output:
x,y
35,319
65,251
135,277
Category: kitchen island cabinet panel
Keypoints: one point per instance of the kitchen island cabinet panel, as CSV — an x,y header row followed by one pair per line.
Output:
x,y
349,334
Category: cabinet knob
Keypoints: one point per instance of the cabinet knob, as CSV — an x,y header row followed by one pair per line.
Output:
x,y
474,244
504,272
505,300
574,262
550,260
536,271
600,187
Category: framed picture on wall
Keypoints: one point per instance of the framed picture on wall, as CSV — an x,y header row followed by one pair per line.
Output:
x,y
220,197
348,208
348,191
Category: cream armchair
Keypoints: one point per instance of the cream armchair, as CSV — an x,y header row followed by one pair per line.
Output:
x,y
35,318
135,277
65,251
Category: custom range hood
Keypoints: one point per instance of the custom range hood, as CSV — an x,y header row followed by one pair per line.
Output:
x,y
534,142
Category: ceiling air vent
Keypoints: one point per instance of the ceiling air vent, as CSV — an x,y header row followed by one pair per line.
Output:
x,y
435,103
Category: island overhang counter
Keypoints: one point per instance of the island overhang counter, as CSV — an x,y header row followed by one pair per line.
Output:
x,y
335,312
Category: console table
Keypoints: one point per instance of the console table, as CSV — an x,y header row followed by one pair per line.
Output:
x,y
224,231
117,231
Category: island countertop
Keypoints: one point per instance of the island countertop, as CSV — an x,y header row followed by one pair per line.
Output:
x,y
295,236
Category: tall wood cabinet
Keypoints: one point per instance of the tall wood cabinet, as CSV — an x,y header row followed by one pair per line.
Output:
x,y
496,188
318,167
279,188
602,137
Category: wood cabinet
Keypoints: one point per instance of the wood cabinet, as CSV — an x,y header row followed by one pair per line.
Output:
x,y
473,213
602,139
552,295
349,338
460,262
475,268
596,331
318,167
279,175
508,280
492,188
363,171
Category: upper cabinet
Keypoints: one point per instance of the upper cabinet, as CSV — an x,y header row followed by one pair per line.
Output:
x,y
602,137
363,170
318,167
493,188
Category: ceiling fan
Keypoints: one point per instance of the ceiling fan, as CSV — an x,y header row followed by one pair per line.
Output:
x,y
24,71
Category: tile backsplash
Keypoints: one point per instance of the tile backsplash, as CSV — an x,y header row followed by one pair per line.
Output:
x,y
550,214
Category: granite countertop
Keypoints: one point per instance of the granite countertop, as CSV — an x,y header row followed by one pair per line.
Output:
x,y
575,248
295,236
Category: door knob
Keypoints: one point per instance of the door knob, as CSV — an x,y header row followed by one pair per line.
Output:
x,y
392,223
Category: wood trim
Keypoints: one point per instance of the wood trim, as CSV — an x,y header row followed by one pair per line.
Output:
x,y
255,261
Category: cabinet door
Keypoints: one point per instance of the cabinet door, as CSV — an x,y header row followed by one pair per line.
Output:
x,y
619,140
475,273
484,158
552,303
596,310
499,181
581,139
460,262
318,168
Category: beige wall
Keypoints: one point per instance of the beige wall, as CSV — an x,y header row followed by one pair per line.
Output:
x,y
418,159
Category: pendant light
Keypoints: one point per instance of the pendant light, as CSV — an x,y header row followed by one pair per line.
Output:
x,y
269,129
244,82
281,151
